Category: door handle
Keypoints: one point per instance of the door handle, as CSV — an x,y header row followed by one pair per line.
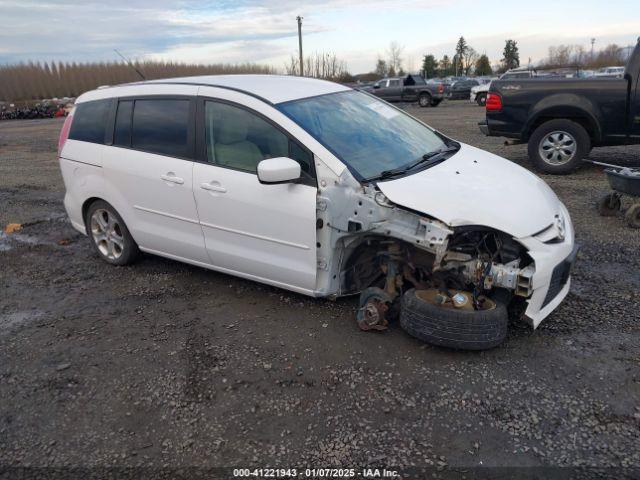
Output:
x,y
213,187
171,177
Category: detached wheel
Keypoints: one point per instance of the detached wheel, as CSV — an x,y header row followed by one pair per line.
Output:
x,y
633,216
109,235
609,205
558,146
424,100
481,99
452,327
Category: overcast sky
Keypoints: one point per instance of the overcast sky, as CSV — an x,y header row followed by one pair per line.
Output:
x,y
358,31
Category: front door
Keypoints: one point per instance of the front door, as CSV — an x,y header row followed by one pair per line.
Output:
x,y
150,164
394,91
263,232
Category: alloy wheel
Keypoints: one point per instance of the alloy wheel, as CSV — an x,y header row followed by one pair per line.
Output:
x,y
557,148
107,234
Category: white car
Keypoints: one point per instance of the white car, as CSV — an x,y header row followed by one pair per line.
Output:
x,y
617,72
479,94
314,187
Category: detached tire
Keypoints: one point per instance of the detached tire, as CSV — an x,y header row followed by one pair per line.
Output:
x,y
453,328
558,146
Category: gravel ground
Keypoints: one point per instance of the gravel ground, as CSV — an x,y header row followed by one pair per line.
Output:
x,y
162,364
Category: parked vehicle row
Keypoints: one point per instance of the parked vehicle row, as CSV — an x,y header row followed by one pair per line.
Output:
x,y
562,119
324,190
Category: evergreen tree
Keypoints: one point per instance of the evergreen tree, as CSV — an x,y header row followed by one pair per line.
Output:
x,y
510,56
429,66
483,66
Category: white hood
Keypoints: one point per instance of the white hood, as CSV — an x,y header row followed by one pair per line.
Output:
x,y
475,187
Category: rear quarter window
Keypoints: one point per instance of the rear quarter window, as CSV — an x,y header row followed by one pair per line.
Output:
x,y
90,121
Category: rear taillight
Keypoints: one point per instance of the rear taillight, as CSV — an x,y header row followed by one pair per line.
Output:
x,y
494,102
64,133
440,88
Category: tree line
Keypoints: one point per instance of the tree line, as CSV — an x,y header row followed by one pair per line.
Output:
x,y
577,56
40,80
466,61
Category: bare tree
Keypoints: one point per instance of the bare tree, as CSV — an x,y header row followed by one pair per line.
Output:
x,y
469,59
394,54
320,65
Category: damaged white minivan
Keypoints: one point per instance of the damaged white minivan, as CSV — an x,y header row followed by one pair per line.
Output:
x,y
320,189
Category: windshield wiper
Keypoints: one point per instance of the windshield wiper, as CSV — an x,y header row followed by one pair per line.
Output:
x,y
430,158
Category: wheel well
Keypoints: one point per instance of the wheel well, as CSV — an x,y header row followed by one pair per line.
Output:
x,y
426,93
85,207
581,119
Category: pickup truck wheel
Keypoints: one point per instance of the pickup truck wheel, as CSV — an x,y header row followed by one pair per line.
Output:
x,y
481,99
452,327
558,146
424,100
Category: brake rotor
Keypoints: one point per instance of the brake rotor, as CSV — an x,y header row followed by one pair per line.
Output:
x,y
374,304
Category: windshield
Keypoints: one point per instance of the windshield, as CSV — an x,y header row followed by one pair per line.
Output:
x,y
367,135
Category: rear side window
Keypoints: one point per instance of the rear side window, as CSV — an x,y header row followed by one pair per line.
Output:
x,y
90,121
122,128
161,126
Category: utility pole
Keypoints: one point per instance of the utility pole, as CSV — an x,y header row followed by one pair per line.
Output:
x,y
299,18
593,40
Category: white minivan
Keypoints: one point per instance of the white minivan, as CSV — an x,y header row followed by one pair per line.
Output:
x,y
317,188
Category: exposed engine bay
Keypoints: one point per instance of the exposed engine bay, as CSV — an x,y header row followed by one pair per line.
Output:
x,y
385,250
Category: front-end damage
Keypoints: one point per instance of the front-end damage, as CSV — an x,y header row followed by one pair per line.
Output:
x,y
370,246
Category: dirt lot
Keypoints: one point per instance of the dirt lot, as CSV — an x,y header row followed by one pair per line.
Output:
x,y
166,365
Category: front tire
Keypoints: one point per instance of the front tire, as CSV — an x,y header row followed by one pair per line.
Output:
x,y
109,236
424,100
558,146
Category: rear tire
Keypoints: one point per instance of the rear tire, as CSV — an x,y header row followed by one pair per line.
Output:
x,y
109,235
460,329
435,102
558,146
481,99
424,100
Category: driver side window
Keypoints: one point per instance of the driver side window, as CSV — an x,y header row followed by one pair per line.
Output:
x,y
239,139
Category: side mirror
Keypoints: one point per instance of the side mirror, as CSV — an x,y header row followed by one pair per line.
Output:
x,y
278,170
376,86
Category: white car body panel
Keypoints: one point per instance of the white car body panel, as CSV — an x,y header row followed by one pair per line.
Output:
x,y
464,190
268,233
161,214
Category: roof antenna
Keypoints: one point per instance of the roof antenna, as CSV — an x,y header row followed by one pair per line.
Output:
x,y
130,64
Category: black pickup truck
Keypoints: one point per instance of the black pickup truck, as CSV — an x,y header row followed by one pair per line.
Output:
x,y
411,88
561,119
